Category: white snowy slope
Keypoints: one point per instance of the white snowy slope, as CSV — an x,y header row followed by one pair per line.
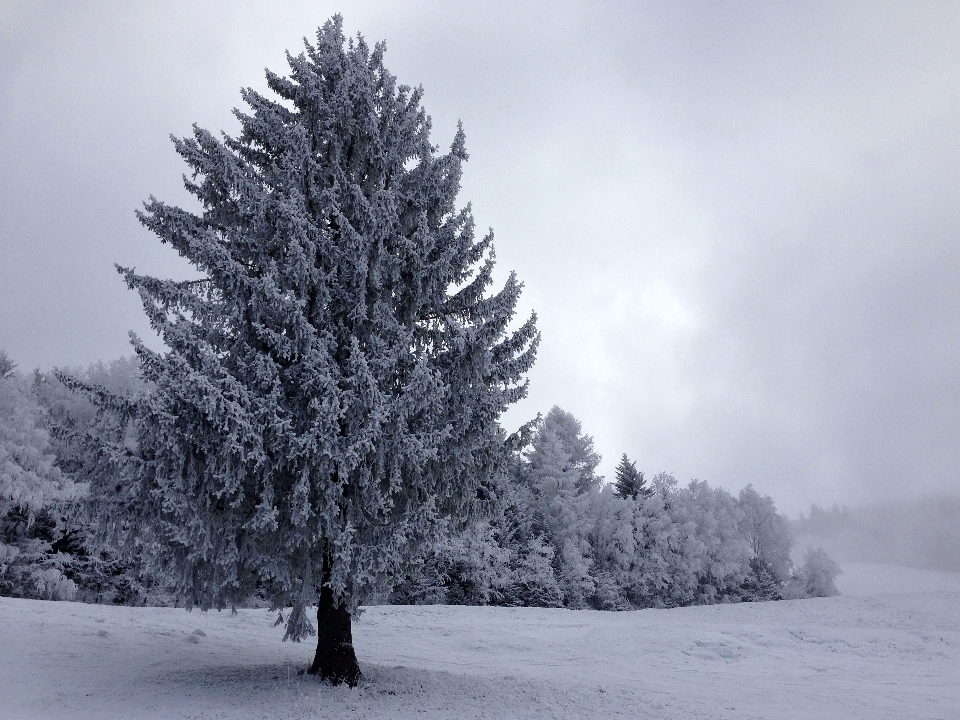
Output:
x,y
879,656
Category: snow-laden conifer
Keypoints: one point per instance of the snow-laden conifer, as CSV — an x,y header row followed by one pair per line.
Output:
x,y
629,482
561,473
332,383
91,441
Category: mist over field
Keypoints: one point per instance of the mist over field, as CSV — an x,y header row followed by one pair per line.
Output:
x,y
922,533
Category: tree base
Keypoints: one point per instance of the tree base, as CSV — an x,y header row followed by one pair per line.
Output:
x,y
339,666
335,660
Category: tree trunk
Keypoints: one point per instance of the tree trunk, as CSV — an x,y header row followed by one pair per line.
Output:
x,y
335,659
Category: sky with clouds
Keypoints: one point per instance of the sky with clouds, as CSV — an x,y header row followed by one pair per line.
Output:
x,y
737,222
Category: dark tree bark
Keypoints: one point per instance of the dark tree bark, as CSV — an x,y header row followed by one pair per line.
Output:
x,y
335,660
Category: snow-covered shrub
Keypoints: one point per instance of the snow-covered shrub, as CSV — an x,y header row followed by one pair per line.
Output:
x,y
29,477
658,543
474,566
721,553
480,567
51,584
614,548
609,593
531,578
424,584
816,576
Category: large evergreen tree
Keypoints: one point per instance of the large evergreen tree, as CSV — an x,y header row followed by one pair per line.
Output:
x,y
332,384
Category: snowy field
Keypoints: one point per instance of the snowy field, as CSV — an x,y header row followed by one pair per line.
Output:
x,y
866,655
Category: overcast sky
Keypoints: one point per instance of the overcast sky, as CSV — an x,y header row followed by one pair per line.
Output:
x,y
738,223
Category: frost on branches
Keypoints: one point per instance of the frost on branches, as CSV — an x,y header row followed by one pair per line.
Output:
x,y
333,383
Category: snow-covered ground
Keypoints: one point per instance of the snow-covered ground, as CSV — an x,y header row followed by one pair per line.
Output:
x,y
888,655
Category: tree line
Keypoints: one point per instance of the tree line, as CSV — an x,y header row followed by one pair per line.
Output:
x,y
549,531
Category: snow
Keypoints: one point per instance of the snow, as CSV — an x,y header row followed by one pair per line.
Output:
x,y
888,655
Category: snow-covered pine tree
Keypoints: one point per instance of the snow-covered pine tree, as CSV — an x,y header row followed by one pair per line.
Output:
x,y
630,482
533,581
333,382
560,471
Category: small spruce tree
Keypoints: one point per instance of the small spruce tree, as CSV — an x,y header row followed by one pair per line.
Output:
x,y
332,383
630,482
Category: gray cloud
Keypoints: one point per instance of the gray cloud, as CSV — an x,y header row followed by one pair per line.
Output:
x,y
737,223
